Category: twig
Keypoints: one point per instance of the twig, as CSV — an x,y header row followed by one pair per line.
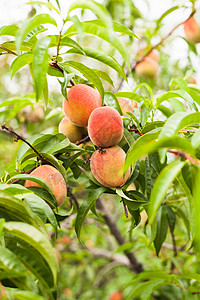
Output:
x,y
152,48
3,126
136,131
185,155
72,196
9,51
125,208
136,266
55,65
84,140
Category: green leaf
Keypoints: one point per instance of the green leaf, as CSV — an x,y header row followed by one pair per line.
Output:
x,y
196,193
195,140
166,13
162,183
85,207
111,100
65,41
30,25
103,75
20,61
9,30
40,64
148,88
37,240
88,73
9,262
102,57
41,208
176,122
162,227
101,32
49,5
178,93
12,208
23,295
98,9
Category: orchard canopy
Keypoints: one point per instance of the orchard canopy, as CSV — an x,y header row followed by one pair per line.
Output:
x,y
100,149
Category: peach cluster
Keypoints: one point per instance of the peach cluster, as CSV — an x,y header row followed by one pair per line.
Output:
x,y
82,100
105,129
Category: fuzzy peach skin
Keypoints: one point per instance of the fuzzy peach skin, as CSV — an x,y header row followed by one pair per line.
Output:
x,y
72,132
82,101
105,127
126,106
107,167
148,68
192,31
52,177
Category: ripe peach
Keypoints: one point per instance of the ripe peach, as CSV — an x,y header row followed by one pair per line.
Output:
x,y
82,101
105,127
72,132
52,177
148,68
116,296
107,167
192,30
126,105
154,54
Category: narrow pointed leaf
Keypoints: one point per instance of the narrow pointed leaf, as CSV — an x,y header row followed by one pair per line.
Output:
x,y
162,183
40,64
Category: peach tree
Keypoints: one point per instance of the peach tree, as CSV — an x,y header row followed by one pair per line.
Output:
x,y
140,151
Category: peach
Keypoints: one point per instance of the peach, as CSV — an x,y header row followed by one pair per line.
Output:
x,y
126,105
192,30
116,296
107,167
105,127
82,100
72,132
154,54
148,68
53,178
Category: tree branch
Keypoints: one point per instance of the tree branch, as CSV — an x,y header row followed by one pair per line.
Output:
x,y
3,126
55,65
9,51
152,48
136,266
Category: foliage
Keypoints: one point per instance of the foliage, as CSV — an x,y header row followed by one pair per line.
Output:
x,y
161,141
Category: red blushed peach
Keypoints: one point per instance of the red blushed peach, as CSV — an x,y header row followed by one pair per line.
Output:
x,y
148,68
126,106
105,127
72,132
116,296
154,54
107,167
192,30
52,177
82,100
